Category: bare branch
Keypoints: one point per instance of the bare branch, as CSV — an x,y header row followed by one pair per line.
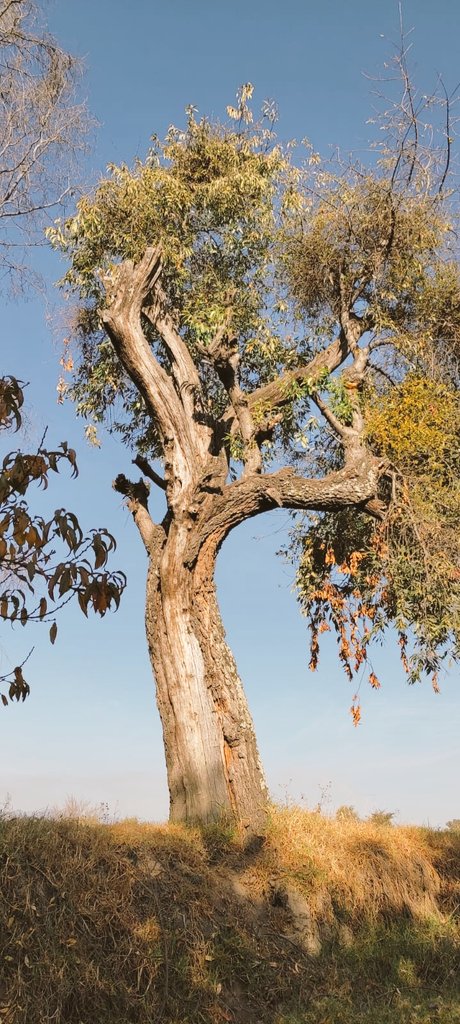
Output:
x,y
448,136
41,128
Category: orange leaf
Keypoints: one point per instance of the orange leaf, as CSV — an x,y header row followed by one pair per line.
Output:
x,y
355,711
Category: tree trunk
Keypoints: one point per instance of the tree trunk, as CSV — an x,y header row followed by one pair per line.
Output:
x,y
213,765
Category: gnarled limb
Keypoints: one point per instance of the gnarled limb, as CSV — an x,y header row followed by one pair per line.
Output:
x,y
354,485
127,291
183,369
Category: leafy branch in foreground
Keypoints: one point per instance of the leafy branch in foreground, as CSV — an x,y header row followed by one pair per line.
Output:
x,y
44,562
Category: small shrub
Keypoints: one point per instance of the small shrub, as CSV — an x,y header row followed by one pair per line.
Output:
x,y
382,818
347,813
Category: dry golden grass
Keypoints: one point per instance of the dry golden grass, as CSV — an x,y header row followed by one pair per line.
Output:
x,y
328,922
370,869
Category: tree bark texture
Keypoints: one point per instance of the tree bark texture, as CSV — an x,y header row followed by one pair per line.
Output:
x,y
213,765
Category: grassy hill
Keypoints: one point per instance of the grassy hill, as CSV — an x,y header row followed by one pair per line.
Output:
x,y
323,922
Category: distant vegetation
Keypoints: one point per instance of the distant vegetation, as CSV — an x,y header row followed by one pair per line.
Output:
x,y
344,922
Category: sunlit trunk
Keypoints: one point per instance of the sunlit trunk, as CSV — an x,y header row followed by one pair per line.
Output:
x,y
213,765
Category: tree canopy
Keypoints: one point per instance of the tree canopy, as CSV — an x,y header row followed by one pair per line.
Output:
x,y
307,313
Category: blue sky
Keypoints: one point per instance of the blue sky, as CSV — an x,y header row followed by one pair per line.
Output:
x,y
90,728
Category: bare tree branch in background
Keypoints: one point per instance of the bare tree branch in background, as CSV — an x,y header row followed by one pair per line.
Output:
x,y
41,129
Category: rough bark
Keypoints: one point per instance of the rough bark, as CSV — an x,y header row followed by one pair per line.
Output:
x,y
354,485
213,765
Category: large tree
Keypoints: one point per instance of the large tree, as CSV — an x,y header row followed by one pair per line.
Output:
x,y
277,336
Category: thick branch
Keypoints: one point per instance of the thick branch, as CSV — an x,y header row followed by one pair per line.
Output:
x,y
222,352
353,377
227,369
351,324
183,368
354,485
127,293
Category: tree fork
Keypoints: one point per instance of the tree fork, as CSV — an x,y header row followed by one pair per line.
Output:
x,y
213,765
